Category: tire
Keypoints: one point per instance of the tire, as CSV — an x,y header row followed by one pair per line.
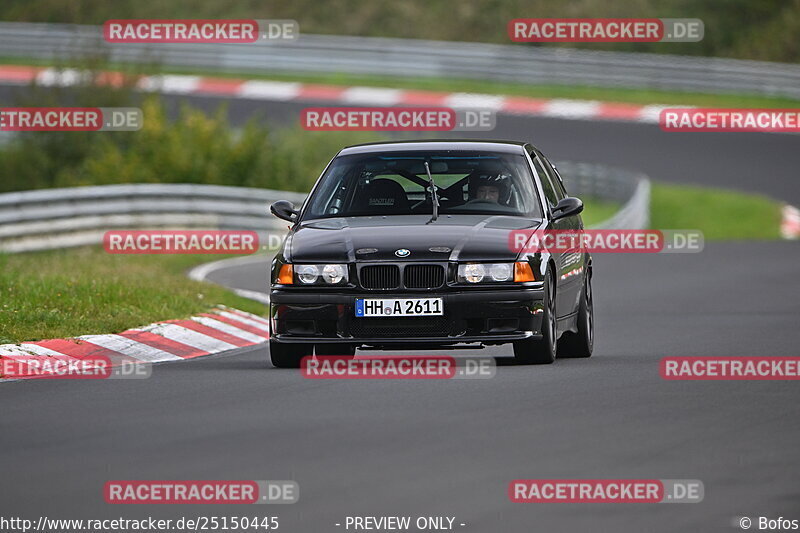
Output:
x,y
541,352
288,355
348,350
581,344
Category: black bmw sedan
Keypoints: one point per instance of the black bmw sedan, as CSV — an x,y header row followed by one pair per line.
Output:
x,y
405,245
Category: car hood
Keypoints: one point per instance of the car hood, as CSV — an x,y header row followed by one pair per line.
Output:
x,y
363,239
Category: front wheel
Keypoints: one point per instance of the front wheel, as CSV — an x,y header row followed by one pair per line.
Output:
x,y
288,355
541,352
581,344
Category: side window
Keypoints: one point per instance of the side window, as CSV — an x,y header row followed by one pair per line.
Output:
x,y
561,192
547,185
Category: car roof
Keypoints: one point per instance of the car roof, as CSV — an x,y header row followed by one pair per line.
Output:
x,y
514,147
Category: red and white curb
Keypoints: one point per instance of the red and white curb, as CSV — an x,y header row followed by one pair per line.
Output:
x,y
220,330
790,222
342,95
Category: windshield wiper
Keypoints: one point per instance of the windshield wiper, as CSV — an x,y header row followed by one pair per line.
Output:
x,y
434,195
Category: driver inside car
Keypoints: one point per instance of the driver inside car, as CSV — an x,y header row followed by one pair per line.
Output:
x,y
494,189
490,193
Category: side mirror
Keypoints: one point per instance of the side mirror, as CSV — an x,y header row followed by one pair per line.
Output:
x,y
567,207
285,210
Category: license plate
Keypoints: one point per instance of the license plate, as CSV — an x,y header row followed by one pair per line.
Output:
x,y
399,307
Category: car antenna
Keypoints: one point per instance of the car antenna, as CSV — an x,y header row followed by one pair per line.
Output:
x,y
434,195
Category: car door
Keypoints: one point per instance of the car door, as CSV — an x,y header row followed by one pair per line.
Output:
x,y
569,263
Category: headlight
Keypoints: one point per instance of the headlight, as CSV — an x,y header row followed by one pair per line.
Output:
x,y
501,271
333,274
307,274
473,273
486,273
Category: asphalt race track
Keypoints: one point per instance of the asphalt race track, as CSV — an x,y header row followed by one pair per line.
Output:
x,y
450,448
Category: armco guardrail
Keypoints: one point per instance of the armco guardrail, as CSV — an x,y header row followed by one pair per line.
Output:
x,y
629,189
61,218
417,58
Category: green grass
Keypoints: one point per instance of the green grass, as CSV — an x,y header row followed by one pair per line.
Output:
x,y
608,94
596,210
66,293
720,214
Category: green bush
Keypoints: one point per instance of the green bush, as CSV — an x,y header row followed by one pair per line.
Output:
x,y
194,148
198,148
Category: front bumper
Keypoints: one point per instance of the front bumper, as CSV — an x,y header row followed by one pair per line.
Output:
x,y
471,315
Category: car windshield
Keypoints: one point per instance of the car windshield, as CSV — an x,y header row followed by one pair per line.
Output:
x,y
396,183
